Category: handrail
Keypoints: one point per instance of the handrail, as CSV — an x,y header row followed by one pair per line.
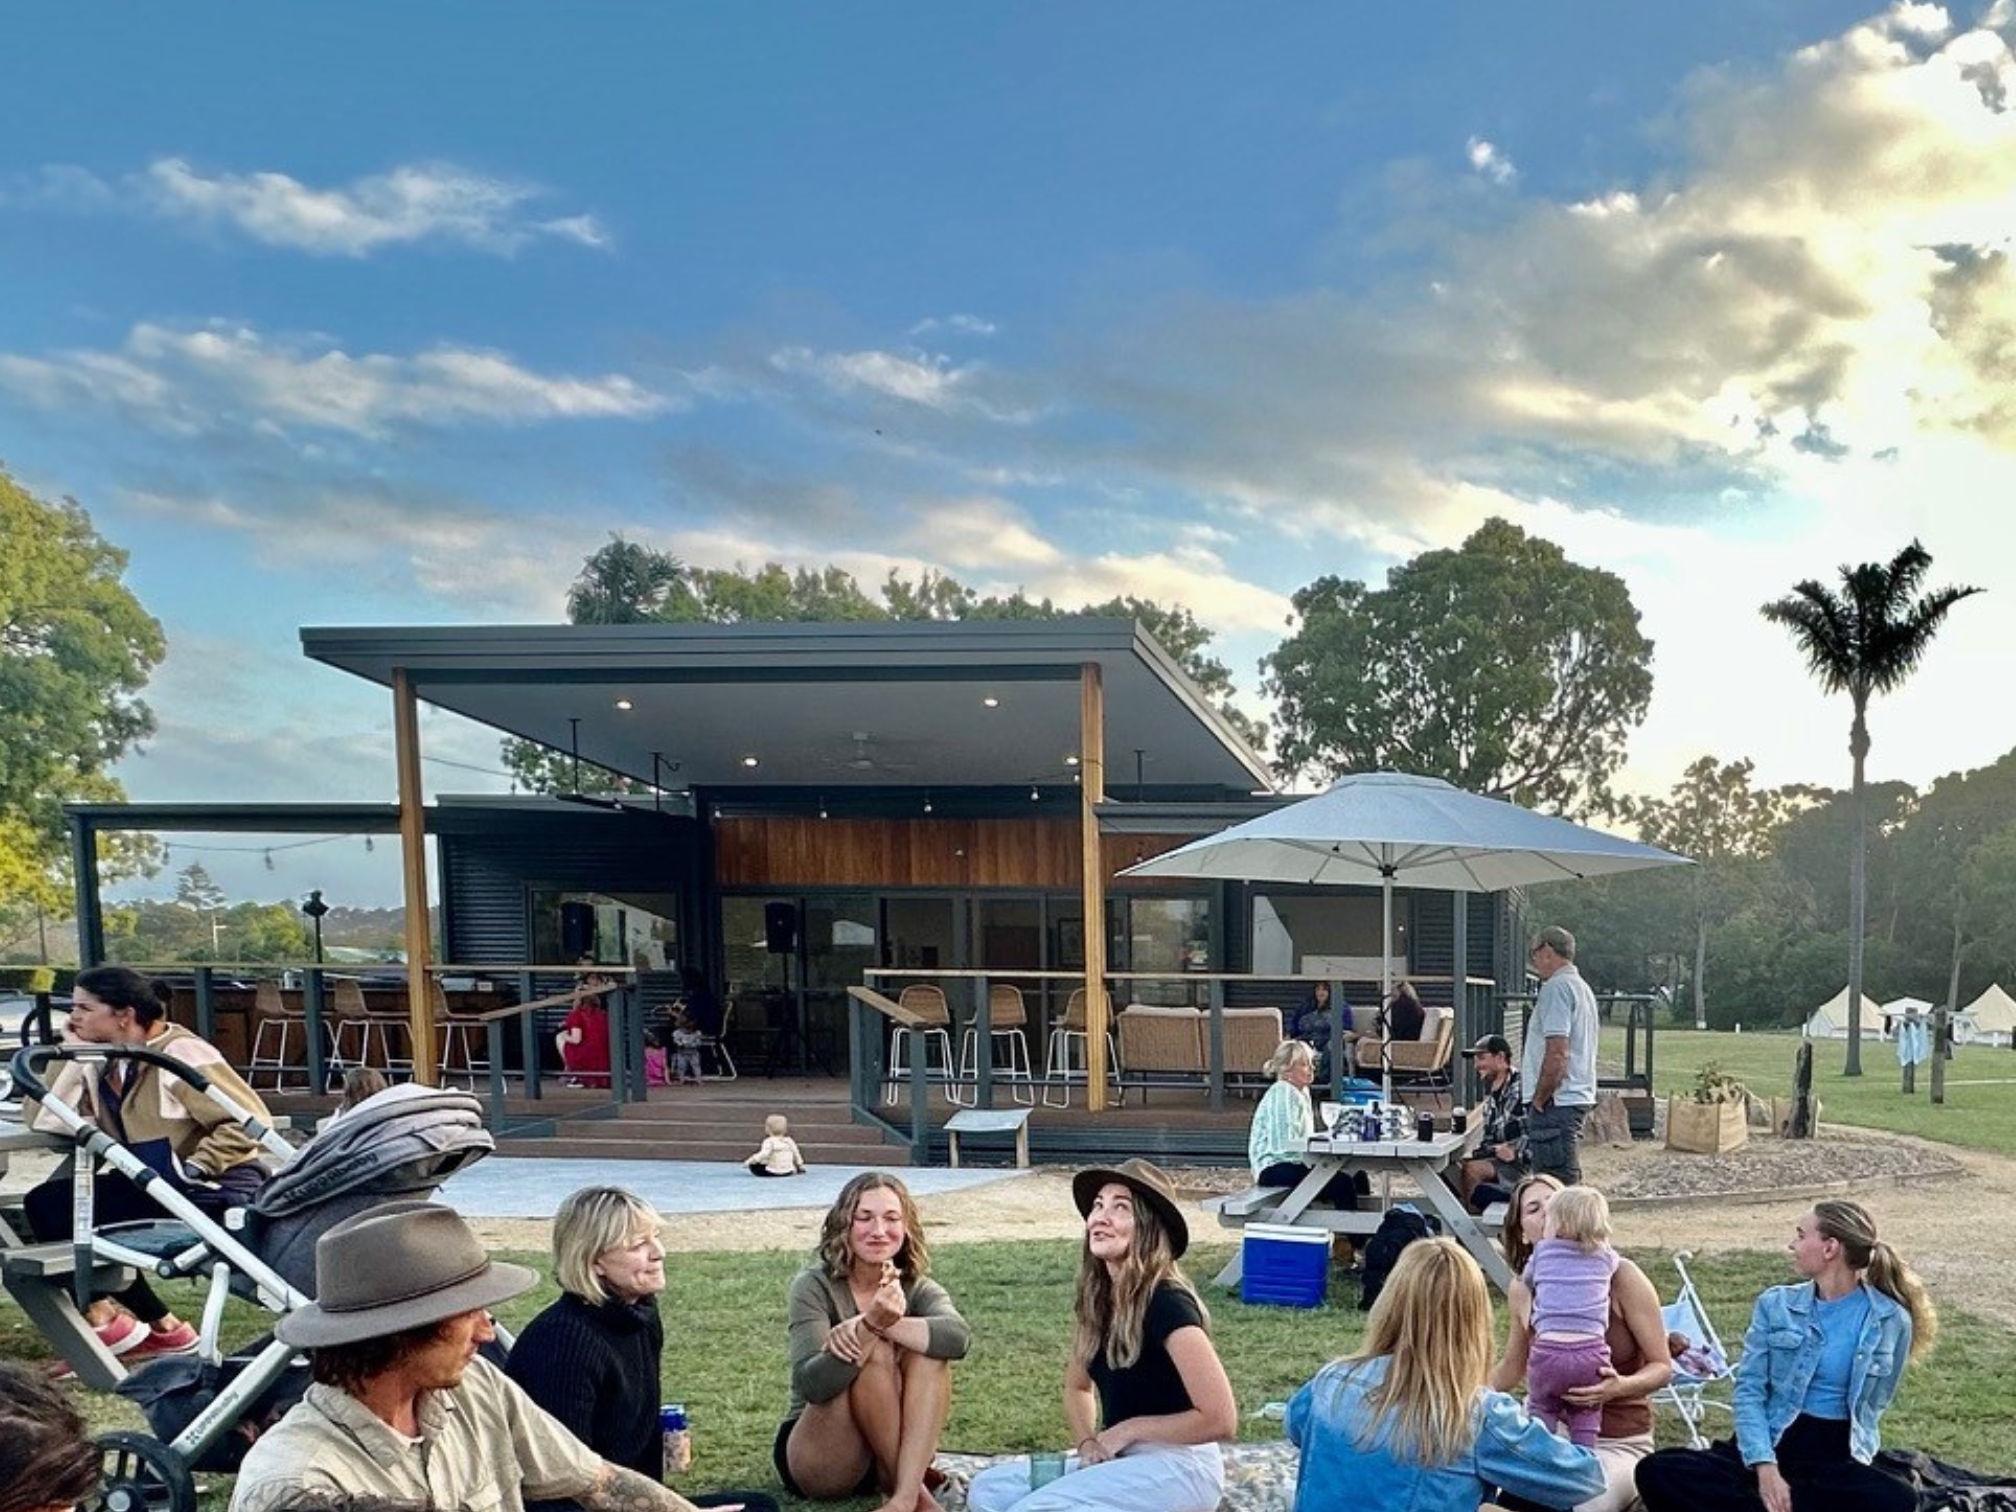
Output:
x,y
498,1015
887,1007
1013,973
386,968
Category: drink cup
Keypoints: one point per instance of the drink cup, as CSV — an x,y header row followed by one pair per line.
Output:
x,y
1045,1468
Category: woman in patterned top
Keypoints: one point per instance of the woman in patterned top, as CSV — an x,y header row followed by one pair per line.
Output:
x,y
1277,1143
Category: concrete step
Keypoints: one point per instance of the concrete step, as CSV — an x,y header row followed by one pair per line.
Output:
x,y
569,1147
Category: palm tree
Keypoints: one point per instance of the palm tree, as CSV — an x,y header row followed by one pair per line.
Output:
x,y
1865,640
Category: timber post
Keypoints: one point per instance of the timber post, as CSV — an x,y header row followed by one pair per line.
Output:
x,y
1801,1126
413,870
1092,792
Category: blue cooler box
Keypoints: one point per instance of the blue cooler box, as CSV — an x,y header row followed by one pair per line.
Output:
x,y
1284,1267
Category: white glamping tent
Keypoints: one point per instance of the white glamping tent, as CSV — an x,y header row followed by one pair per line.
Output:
x,y
1991,1017
1830,1019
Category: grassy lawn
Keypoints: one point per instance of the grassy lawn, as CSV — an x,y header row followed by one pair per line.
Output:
x,y
725,1358
1982,1116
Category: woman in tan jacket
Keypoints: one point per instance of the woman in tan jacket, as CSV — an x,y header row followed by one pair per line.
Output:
x,y
183,1135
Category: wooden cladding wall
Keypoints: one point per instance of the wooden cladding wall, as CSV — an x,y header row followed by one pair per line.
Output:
x,y
807,852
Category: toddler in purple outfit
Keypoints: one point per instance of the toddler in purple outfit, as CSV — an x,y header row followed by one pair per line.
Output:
x,y
1569,1276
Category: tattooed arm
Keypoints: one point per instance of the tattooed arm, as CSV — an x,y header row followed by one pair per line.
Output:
x,y
616,1489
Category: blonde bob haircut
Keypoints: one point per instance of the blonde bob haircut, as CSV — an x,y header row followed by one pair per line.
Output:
x,y
590,1223
1287,1055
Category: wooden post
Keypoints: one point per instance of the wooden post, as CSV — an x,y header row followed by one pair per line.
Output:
x,y
1092,792
413,866
1939,1028
1801,1126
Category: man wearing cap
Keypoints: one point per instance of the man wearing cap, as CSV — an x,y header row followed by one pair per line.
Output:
x,y
402,1406
1501,1147
1558,1068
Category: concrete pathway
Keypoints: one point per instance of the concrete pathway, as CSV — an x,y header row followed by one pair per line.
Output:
x,y
507,1187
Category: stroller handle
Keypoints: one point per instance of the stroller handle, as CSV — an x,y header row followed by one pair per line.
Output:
x,y
28,1064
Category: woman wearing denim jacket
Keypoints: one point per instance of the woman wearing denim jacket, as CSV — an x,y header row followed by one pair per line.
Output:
x,y
1820,1362
1408,1421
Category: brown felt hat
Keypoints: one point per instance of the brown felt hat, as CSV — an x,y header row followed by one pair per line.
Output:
x,y
397,1266
1148,1184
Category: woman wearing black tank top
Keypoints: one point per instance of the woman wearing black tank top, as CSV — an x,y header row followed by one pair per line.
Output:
x,y
1142,1365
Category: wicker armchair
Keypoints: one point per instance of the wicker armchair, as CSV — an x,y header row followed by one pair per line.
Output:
x,y
1426,1061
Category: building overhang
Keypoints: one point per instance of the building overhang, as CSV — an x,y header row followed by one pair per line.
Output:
x,y
819,706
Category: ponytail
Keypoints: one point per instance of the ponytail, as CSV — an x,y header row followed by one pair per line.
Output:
x,y
123,987
1850,1226
1891,1276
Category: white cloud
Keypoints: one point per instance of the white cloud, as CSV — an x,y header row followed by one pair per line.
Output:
x,y
1490,161
476,562
408,205
923,379
962,325
186,381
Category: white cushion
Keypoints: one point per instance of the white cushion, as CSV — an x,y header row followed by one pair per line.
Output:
x,y
1431,1023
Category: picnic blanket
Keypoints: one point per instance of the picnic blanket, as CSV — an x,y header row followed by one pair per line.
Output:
x,y
1258,1477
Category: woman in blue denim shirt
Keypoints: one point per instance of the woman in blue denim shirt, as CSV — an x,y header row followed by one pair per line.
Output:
x,y
1407,1422
1820,1362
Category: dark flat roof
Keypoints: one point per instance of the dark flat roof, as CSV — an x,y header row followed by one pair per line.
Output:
x,y
818,705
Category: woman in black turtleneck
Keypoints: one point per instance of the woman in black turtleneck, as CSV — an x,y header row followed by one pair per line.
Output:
x,y
592,1359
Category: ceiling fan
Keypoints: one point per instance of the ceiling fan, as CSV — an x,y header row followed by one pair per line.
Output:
x,y
870,756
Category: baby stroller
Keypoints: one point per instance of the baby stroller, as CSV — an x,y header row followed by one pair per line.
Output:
x,y
403,1142
1701,1363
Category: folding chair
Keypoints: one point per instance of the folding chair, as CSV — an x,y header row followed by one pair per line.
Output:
x,y
1707,1362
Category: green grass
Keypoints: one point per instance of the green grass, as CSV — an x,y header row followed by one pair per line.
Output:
x,y
724,1328
1982,1117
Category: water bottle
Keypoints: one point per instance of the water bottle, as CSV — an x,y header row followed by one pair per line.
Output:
x,y
678,1441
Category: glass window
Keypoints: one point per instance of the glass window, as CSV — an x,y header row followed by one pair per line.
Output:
x,y
610,929
1295,933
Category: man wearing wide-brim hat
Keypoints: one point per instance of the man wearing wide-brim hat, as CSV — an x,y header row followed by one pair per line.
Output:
x,y
403,1407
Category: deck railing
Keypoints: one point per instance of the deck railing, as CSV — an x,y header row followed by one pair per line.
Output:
x,y
869,1006
532,986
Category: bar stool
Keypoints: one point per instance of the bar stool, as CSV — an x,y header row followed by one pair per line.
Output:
x,y
459,1031
1057,1067
1007,1015
928,1004
352,1011
269,1003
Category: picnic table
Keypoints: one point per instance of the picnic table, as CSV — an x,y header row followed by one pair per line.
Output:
x,y
39,1277
1423,1161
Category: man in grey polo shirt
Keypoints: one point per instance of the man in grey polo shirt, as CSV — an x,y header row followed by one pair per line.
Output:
x,y
1558,1066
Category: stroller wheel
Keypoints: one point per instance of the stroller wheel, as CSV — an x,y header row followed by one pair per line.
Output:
x,y
141,1474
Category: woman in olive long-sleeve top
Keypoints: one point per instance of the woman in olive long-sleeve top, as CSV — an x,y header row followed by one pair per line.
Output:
x,y
871,1341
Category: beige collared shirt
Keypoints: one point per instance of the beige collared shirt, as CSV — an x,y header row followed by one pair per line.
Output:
x,y
483,1447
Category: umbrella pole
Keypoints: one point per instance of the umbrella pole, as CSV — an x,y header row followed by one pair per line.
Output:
x,y
1386,972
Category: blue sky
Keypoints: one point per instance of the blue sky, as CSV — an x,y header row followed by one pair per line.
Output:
x,y
391,313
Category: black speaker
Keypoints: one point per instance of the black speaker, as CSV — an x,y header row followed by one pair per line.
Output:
x,y
780,927
577,930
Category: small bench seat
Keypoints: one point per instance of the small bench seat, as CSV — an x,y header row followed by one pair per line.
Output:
x,y
990,1121
1493,1217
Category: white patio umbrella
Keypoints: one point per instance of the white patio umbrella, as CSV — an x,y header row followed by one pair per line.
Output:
x,y
1388,828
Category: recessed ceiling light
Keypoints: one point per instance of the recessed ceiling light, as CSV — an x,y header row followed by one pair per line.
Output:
x,y
991,702
748,761
1070,761
625,705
